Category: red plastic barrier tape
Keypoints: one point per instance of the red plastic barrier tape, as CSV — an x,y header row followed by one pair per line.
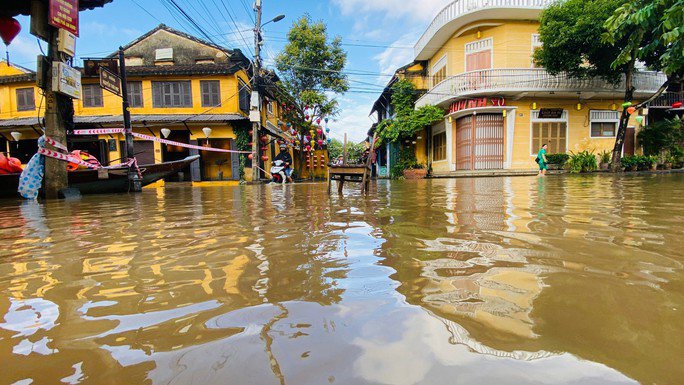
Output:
x,y
172,143
55,144
66,158
99,131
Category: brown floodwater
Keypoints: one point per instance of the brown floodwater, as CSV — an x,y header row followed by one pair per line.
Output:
x,y
563,280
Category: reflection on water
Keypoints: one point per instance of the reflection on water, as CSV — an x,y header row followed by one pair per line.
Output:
x,y
496,280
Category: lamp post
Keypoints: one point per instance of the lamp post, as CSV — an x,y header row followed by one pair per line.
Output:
x,y
255,113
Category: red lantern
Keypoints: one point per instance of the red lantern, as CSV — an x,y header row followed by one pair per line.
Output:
x,y
9,29
630,110
264,138
264,148
320,142
308,148
318,121
264,158
250,144
306,117
251,132
250,156
320,132
677,105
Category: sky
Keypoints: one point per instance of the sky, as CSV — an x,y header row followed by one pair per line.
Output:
x,y
378,35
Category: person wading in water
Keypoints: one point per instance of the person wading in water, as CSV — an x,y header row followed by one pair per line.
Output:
x,y
541,160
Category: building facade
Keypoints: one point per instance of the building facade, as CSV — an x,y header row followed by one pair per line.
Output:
x,y
178,86
500,107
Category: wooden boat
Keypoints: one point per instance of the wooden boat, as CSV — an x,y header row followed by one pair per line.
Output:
x,y
95,182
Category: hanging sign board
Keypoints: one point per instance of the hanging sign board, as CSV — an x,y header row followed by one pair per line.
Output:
x,y
91,67
550,113
64,14
110,81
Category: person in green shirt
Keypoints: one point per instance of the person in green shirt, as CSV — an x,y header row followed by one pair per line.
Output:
x,y
541,156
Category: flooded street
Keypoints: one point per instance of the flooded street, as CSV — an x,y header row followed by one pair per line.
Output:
x,y
563,280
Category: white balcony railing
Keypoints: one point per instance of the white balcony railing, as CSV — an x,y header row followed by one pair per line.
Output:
x,y
518,80
460,8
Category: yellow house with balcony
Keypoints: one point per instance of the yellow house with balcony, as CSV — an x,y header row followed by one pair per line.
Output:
x,y
500,107
178,86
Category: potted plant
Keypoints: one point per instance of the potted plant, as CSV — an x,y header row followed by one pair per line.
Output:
x,y
556,161
653,162
669,161
605,160
416,171
583,161
220,162
629,163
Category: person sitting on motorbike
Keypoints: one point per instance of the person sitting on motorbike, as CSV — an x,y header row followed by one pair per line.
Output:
x,y
286,158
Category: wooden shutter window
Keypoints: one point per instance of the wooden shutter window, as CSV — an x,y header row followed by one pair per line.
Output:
x,y
25,99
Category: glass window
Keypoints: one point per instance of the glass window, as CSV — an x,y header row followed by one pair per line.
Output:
x,y
135,94
25,99
552,133
211,93
92,95
603,129
171,94
439,146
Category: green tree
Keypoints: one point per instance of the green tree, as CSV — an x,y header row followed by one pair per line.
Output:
x,y
407,121
311,71
570,32
354,150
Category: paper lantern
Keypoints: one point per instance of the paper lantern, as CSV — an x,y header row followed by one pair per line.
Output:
x,y
677,105
613,107
327,130
639,119
319,131
320,142
318,121
326,120
9,29
264,158
250,156
264,148
165,132
206,131
630,110
16,135
626,104
308,148
264,138
329,140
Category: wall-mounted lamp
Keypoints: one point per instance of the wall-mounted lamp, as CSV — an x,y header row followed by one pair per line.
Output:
x,y
16,135
479,34
419,137
613,107
578,106
503,113
534,105
450,119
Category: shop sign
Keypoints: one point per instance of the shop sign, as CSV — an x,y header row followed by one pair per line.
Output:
x,y
476,103
110,81
550,113
91,67
64,14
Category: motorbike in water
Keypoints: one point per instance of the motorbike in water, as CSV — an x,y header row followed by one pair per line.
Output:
x,y
278,172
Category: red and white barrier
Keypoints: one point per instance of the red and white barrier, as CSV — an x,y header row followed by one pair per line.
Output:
x,y
172,143
99,131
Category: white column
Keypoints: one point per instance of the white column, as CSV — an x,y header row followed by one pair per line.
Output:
x,y
510,136
449,144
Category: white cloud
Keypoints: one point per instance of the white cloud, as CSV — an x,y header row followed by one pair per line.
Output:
x,y
393,9
23,51
396,55
353,118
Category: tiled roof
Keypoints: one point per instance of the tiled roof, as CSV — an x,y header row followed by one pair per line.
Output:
x,y
18,78
191,69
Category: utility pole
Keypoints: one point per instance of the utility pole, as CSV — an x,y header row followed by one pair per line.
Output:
x,y
135,183
58,109
256,98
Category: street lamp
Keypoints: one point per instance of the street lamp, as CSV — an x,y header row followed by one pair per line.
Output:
x,y
274,20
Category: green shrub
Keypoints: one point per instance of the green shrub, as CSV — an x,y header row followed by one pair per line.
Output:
x,y
605,156
583,161
660,136
406,160
559,159
629,161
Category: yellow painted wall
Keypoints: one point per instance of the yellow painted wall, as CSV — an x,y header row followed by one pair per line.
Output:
x,y
512,45
420,149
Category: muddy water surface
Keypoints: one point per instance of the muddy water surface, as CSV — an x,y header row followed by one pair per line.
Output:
x,y
565,280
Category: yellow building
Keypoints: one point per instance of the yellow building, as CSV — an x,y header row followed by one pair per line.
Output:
x,y
500,107
178,86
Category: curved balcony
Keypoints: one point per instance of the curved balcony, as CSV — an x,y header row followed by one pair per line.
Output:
x,y
521,81
462,12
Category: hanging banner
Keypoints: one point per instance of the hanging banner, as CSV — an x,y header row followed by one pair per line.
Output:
x,y
172,143
99,131
64,14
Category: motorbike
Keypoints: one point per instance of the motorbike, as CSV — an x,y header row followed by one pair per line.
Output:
x,y
278,172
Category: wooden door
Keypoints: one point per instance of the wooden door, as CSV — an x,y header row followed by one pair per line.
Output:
x,y
464,133
478,61
488,142
628,145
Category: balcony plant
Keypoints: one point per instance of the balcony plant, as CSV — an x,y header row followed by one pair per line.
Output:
x,y
407,166
557,161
